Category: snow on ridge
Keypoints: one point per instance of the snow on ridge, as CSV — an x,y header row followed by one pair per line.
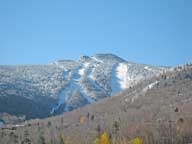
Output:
x,y
148,68
97,60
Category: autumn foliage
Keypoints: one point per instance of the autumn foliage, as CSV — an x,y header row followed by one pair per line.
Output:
x,y
104,139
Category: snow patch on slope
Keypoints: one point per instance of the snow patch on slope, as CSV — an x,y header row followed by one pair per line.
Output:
x,y
123,76
82,71
76,76
61,99
115,85
120,77
150,86
153,84
99,76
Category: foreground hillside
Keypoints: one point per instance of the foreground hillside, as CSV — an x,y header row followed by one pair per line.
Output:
x,y
39,91
155,111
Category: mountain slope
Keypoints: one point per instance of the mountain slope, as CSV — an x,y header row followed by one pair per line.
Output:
x,y
65,85
157,110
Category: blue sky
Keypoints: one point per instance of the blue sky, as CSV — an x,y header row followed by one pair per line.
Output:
x,y
157,32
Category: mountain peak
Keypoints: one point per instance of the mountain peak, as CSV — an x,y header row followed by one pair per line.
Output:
x,y
84,58
108,57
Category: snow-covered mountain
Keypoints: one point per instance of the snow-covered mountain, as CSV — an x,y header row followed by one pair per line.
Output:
x,y
65,84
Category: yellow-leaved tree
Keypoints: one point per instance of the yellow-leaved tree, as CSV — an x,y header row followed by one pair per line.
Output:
x,y
137,141
105,138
